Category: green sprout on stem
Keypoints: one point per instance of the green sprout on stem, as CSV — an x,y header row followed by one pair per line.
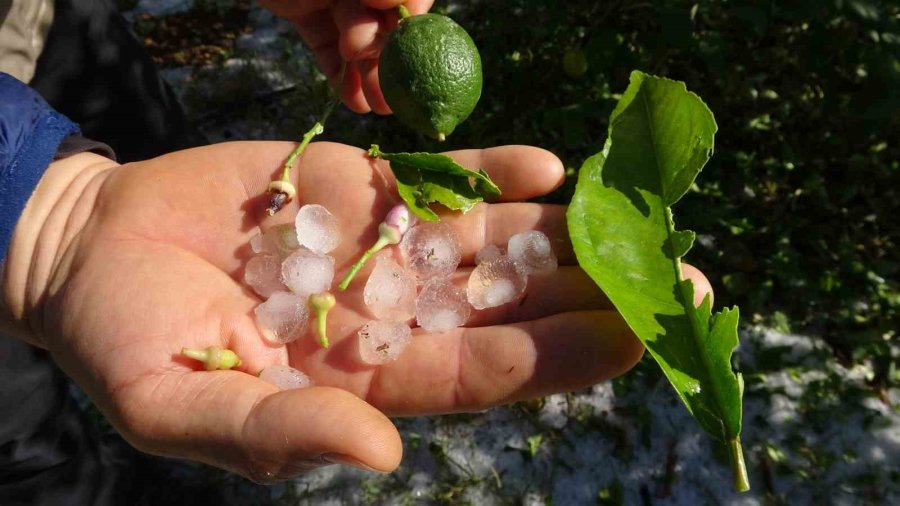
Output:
x,y
321,303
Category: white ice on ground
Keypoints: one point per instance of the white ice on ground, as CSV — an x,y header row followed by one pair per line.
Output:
x,y
280,240
283,317
495,282
441,306
487,252
432,250
317,229
382,341
285,377
263,274
532,252
390,291
305,272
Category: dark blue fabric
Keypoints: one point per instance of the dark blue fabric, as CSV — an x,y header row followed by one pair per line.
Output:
x,y
30,132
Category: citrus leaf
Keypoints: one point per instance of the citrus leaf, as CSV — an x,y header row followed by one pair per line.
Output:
x,y
623,233
425,178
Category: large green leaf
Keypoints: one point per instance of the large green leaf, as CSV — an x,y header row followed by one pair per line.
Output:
x,y
621,225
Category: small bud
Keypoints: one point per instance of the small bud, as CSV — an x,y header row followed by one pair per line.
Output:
x,y
213,357
399,218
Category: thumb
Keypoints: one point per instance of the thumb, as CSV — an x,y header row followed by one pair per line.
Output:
x,y
240,423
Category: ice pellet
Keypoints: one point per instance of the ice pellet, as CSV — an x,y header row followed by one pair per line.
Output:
x,y
285,377
382,341
317,229
487,252
305,272
441,306
495,282
280,240
390,291
531,251
263,274
432,250
283,317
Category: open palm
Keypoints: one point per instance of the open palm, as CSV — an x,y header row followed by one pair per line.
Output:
x,y
157,266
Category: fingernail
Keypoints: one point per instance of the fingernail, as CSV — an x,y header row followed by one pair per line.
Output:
x,y
344,460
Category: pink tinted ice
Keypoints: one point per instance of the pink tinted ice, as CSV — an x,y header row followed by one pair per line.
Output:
x,y
495,282
382,341
432,250
390,291
285,377
441,306
317,229
305,272
263,274
282,318
532,252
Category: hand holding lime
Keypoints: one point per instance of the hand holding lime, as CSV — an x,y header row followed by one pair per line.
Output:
x,y
430,74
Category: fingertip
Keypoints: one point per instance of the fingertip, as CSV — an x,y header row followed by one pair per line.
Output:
x,y
521,172
351,91
538,169
324,424
359,27
702,286
372,88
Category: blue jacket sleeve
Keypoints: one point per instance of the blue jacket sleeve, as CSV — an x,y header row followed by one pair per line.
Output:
x,y
30,132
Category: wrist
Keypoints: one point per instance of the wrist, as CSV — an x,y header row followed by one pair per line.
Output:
x,y
41,244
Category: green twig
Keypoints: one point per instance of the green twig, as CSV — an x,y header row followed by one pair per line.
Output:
x,y
738,467
283,190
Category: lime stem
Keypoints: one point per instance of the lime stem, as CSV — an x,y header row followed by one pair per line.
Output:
x,y
378,246
403,11
738,467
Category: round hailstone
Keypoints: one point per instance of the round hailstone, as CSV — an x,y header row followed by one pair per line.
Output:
x,y
285,377
487,252
317,229
495,282
390,291
306,273
432,250
263,274
531,251
441,306
282,318
382,341
279,240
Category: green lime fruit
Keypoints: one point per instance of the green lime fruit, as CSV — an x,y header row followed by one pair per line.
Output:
x,y
574,63
430,74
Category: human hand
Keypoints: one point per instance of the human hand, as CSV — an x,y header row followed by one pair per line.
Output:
x,y
114,268
351,31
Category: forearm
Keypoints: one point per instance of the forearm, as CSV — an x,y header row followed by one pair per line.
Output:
x,y
55,213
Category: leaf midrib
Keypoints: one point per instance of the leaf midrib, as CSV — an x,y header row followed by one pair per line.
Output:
x,y
676,264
